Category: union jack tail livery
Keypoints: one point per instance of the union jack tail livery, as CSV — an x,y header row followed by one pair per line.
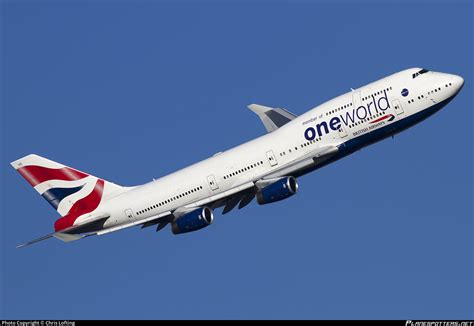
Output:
x,y
74,194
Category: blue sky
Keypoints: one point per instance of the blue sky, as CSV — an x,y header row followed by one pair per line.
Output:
x,y
131,91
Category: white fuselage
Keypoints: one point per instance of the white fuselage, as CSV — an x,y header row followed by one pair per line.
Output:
x,y
346,121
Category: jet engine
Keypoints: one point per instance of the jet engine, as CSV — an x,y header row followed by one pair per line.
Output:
x,y
193,221
277,190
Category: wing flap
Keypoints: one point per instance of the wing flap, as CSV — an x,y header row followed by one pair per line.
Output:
x,y
231,202
247,199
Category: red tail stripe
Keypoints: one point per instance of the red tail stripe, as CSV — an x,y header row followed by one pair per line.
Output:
x,y
35,174
81,207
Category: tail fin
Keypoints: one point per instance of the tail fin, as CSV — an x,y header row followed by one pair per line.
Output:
x,y
69,191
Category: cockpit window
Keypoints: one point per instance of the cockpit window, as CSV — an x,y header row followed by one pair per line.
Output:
x,y
422,71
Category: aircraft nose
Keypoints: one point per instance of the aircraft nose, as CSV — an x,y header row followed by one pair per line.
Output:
x,y
458,82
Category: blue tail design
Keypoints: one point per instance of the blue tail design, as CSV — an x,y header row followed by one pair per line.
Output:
x,y
55,195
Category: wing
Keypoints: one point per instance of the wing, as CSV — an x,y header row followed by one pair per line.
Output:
x,y
163,219
241,195
272,118
245,194
152,220
309,160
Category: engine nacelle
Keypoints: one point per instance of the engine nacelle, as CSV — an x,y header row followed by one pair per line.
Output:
x,y
278,190
193,221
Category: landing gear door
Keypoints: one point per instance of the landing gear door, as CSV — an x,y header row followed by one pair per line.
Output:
x,y
397,107
271,158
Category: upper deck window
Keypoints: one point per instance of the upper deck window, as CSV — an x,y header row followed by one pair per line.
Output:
x,y
422,71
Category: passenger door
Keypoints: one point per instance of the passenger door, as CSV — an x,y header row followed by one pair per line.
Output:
x,y
211,181
271,158
397,107
129,213
342,131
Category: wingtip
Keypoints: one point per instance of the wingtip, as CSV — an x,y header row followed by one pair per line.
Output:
x,y
257,108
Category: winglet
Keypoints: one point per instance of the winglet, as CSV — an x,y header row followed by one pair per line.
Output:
x,y
272,118
257,108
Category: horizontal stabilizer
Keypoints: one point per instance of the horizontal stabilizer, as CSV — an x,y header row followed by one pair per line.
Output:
x,y
272,118
58,235
89,225
35,241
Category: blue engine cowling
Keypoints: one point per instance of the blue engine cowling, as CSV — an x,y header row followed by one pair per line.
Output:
x,y
192,221
278,190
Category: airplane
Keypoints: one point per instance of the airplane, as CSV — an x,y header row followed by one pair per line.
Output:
x,y
265,168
